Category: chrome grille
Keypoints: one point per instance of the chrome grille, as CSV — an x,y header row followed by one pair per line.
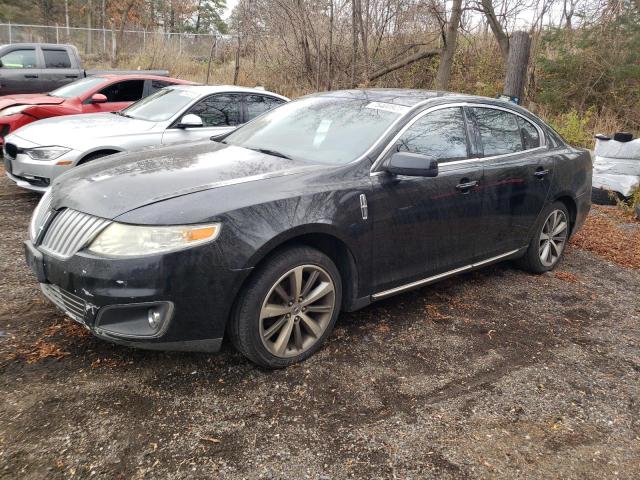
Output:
x,y
40,215
69,231
70,304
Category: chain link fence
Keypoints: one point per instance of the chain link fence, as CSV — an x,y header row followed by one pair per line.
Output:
x,y
104,43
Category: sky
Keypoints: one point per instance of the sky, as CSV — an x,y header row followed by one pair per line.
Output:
x,y
230,5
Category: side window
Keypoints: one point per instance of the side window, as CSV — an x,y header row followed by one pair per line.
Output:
x,y
218,110
529,133
127,91
19,59
441,134
499,131
258,104
56,58
157,85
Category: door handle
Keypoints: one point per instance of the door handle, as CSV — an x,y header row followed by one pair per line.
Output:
x,y
30,75
540,173
71,76
466,186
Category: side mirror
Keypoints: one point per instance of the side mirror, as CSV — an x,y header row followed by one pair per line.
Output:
x,y
413,165
98,98
190,121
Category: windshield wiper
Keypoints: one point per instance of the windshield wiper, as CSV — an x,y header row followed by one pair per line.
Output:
x,y
271,152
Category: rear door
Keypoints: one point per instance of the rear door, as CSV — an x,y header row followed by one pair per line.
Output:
x,y
58,69
518,172
220,113
426,226
20,71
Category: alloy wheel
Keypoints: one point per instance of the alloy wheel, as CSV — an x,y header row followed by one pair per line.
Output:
x,y
553,238
297,311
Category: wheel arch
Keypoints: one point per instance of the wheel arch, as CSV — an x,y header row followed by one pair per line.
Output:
x,y
572,207
322,237
107,151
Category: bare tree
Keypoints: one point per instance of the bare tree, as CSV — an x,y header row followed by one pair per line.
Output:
x,y
449,48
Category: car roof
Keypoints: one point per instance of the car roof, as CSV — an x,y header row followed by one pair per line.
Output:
x,y
141,75
409,97
208,89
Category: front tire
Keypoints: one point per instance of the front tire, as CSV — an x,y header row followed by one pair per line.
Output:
x,y
288,308
549,240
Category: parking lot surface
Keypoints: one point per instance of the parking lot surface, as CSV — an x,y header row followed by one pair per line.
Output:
x,y
492,374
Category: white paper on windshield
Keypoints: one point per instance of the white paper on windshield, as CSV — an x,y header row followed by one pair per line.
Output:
x,y
321,132
388,107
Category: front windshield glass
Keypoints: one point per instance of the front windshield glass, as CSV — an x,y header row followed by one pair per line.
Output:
x,y
77,88
160,106
333,130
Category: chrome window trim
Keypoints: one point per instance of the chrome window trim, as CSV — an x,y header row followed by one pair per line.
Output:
x,y
425,281
543,139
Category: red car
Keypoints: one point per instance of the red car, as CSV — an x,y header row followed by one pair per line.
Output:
x,y
99,93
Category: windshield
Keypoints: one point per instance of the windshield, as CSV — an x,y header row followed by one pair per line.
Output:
x,y
77,88
333,130
160,106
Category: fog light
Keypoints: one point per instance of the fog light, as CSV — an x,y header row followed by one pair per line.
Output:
x,y
154,318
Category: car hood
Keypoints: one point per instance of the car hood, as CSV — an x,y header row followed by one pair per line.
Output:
x,y
82,131
33,99
113,186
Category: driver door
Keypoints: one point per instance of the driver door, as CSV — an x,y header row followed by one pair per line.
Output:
x,y
425,226
220,113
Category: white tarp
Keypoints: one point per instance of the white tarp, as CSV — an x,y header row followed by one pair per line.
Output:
x,y
617,165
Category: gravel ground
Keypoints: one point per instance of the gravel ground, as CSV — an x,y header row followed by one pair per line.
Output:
x,y
493,374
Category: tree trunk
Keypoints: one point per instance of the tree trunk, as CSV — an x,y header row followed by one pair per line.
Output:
x,y
354,51
403,63
496,28
330,54
89,25
236,69
449,50
364,41
517,63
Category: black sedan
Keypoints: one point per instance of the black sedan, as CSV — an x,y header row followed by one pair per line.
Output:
x,y
324,204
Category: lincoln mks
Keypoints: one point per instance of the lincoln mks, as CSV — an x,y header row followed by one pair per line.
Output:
x,y
322,205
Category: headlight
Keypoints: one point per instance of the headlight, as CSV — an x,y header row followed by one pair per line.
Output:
x,y
46,153
13,110
121,240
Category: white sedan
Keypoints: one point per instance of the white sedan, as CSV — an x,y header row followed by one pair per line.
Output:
x,y
40,151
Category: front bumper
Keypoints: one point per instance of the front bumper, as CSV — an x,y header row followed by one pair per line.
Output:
x,y
36,175
191,289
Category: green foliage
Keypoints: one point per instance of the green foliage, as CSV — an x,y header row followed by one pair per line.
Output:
x,y
574,127
595,67
209,17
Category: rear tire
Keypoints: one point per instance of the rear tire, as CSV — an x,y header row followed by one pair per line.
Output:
x,y
288,308
549,240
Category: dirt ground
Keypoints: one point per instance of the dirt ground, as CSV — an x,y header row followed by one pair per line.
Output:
x,y
493,374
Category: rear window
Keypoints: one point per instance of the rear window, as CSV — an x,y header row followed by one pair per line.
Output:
x,y
56,58
499,131
157,85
